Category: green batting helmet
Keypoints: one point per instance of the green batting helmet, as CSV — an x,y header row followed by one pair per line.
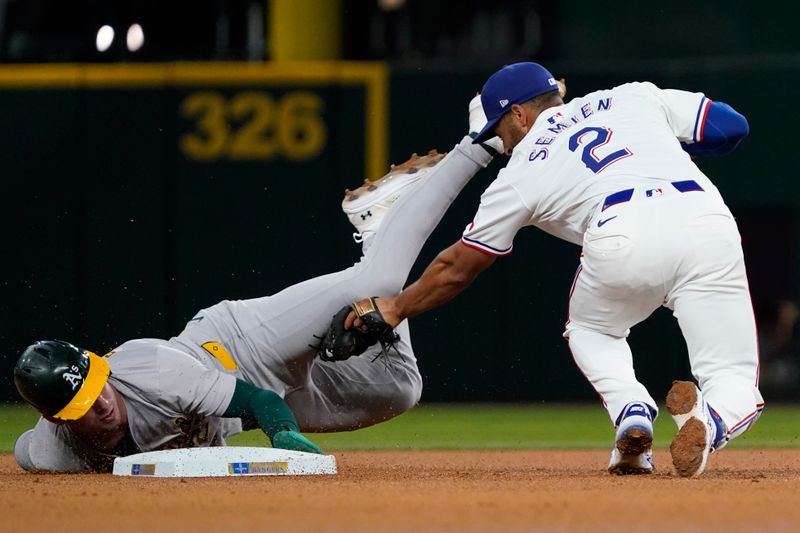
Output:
x,y
60,380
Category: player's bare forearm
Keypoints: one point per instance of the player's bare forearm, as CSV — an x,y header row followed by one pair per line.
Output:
x,y
448,275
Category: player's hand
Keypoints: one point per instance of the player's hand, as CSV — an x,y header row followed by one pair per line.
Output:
x,y
356,327
562,87
385,307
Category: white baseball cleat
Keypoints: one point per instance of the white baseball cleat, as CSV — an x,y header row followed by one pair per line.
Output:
x,y
366,206
626,465
632,453
699,430
477,120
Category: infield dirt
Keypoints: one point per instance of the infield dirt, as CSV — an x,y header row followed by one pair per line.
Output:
x,y
742,490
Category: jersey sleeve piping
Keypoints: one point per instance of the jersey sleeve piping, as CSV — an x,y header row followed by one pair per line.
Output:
x,y
477,245
700,121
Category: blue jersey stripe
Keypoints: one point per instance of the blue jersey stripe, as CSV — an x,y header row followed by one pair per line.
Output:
x,y
485,247
697,118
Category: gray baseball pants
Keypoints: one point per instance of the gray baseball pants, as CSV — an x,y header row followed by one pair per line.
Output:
x,y
272,338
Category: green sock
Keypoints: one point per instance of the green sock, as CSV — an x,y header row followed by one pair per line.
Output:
x,y
265,407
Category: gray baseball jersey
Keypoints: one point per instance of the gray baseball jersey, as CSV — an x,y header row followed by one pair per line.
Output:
x,y
176,390
173,398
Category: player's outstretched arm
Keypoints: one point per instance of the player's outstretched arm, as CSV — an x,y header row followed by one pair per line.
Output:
x,y
448,275
271,414
722,131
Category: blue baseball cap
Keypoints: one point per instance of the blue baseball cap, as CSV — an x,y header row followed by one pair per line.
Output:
x,y
512,84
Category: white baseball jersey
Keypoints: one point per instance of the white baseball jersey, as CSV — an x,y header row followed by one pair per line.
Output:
x,y
577,154
607,172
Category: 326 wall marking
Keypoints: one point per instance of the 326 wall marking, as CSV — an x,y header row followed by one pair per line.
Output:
x,y
253,125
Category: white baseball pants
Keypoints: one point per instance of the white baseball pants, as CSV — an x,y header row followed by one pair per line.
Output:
x,y
681,250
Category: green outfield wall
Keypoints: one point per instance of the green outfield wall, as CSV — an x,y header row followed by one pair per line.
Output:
x,y
134,195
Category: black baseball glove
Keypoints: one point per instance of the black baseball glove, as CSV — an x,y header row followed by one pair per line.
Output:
x,y
340,344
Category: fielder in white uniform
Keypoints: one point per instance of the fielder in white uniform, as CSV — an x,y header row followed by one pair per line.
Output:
x,y
611,171
180,392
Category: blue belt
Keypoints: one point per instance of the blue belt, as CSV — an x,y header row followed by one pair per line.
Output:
x,y
624,196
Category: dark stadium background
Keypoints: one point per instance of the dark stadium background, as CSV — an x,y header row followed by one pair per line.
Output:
x,y
111,230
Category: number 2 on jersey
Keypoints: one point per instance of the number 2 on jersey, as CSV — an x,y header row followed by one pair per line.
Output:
x,y
591,159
